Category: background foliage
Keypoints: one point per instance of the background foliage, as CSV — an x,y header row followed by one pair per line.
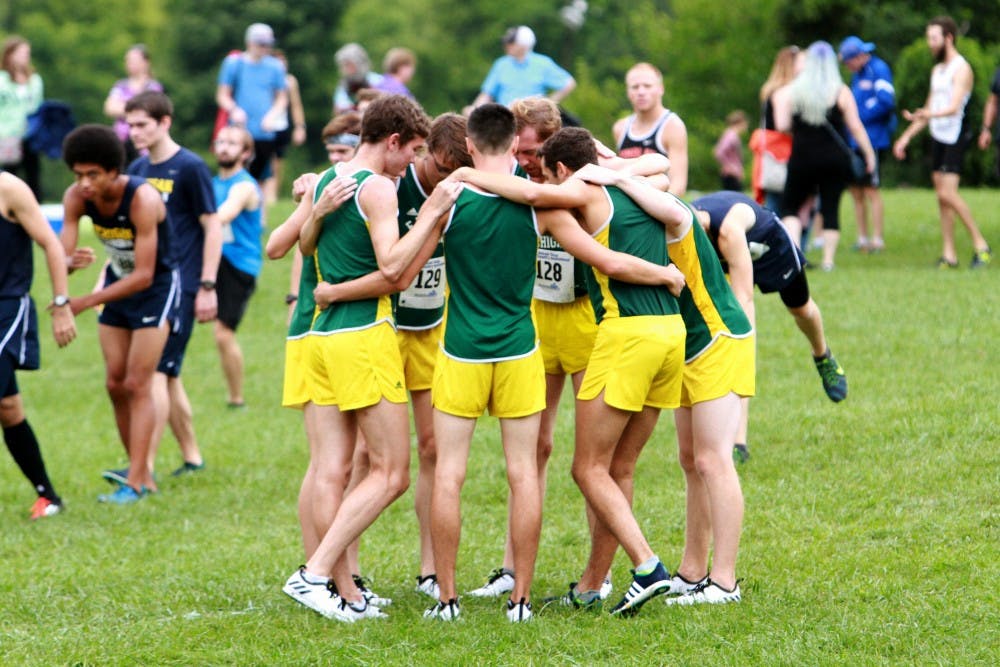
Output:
x,y
714,55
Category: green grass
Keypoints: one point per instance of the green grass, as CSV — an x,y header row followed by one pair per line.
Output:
x,y
872,530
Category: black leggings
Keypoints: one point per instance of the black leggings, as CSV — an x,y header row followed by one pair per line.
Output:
x,y
828,180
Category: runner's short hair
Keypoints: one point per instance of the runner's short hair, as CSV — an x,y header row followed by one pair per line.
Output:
x,y
492,128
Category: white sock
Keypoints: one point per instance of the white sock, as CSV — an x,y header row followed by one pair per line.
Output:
x,y
311,578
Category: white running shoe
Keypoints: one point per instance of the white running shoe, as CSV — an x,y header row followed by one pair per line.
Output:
x,y
316,596
520,612
429,586
370,595
681,586
501,580
606,588
349,612
444,611
708,592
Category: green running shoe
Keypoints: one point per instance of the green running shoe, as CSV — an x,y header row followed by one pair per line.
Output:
x,y
832,374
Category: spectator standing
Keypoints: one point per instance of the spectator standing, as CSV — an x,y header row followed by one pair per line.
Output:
x,y
817,108
729,151
253,90
239,202
652,128
398,68
523,73
871,84
294,132
768,139
139,79
944,111
355,75
21,92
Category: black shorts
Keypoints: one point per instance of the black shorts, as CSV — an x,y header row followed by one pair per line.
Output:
x,y
260,165
152,307
19,332
18,341
796,293
234,289
872,180
8,380
180,334
282,140
948,158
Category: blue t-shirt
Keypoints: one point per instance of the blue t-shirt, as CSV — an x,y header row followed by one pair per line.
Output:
x,y
185,183
255,85
510,80
240,238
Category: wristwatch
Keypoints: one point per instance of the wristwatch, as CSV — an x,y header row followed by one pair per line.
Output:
x,y
291,298
60,300
207,285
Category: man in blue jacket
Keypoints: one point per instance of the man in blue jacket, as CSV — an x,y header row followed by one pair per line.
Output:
x,y
871,84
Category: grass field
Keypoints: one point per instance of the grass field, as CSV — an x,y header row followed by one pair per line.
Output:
x,y
872,532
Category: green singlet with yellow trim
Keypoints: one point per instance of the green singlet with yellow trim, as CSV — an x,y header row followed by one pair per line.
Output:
x,y
305,305
344,252
421,304
708,305
491,244
631,230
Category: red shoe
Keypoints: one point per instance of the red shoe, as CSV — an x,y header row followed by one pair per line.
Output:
x,y
44,507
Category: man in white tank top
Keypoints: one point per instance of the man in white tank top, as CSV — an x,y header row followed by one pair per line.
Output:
x,y
652,128
944,112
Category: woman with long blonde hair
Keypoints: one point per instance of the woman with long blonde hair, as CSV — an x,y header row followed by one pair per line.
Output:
x,y
819,109
766,138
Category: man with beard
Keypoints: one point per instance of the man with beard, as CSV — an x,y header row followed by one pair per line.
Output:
x,y
238,199
944,112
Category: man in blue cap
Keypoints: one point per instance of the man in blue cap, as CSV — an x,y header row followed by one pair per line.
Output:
x,y
871,84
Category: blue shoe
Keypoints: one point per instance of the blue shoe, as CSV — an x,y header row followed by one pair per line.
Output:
x,y
123,495
116,476
188,467
643,588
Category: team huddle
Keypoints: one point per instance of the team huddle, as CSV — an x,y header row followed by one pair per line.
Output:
x,y
461,265
515,265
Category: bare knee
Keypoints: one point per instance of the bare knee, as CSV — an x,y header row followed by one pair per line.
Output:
x,y
710,463
136,385
622,471
116,386
545,446
398,483
11,410
426,449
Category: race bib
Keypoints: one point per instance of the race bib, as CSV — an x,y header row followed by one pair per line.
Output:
x,y
122,259
554,279
227,234
426,292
